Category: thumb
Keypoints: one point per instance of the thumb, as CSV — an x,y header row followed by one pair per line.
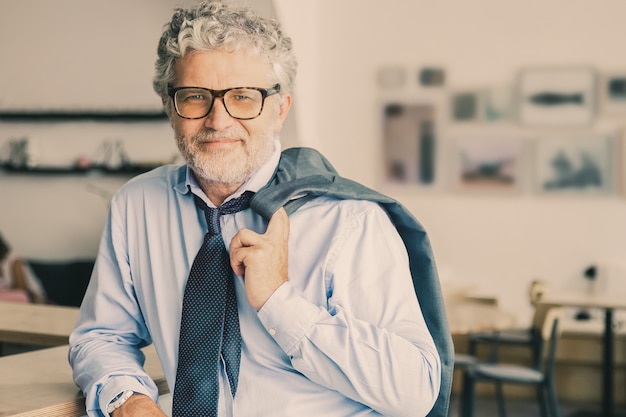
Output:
x,y
278,226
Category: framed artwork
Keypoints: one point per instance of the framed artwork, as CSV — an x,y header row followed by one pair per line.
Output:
x,y
411,141
556,96
498,104
580,165
392,77
488,164
466,106
620,161
432,77
613,93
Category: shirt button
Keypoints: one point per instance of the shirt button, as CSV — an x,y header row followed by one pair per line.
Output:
x,y
272,331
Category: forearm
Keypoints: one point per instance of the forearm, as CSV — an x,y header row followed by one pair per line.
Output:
x,y
105,346
102,369
366,363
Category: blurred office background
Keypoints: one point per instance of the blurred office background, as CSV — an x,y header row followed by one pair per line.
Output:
x,y
475,114
499,124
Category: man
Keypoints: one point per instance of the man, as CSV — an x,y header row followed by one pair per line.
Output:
x,y
328,319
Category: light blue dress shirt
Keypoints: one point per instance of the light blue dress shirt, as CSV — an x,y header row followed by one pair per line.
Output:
x,y
343,337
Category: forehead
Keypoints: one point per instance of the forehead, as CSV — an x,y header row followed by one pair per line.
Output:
x,y
217,69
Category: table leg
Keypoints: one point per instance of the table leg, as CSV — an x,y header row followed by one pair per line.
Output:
x,y
468,392
607,403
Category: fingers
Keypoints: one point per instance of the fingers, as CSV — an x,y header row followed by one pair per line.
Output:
x,y
262,258
277,230
237,262
278,226
276,234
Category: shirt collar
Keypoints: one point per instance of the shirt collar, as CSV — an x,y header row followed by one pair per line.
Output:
x,y
254,183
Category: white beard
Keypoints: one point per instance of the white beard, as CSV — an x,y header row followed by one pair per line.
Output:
x,y
229,167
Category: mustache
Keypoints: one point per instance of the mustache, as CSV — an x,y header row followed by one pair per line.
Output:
x,y
208,136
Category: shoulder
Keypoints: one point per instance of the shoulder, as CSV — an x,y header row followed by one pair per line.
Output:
x,y
153,192
165,178
342,212
12,258
163,175
342,204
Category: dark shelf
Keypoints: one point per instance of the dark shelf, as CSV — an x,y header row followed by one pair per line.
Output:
x,y
126,169
131,169
43,170
69,116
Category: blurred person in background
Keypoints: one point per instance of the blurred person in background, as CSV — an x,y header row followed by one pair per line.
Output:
x,y
17,281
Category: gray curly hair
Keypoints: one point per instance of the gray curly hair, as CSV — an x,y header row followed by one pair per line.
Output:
x,y
212,25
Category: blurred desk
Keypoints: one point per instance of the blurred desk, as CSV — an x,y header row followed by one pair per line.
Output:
x,y
36,324
466,316
469,311
39,383
608,302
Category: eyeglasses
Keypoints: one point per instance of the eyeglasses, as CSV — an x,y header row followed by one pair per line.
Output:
x,y
243,103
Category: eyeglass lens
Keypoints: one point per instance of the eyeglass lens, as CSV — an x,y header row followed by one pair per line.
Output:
x,y
196,103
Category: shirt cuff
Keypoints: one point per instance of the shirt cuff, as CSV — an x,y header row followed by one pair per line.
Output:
x,y
287,316
117,385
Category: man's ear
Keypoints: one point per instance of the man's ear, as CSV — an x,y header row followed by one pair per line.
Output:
x,y
166,107
283,111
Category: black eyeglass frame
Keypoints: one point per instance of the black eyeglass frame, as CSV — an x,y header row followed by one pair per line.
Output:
x,y
265,93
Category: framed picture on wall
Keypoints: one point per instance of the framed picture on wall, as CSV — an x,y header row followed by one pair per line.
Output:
x,y
580,165
488,164
556,96
392,77
411,142
467,106
498,103
613,93
432,77
620,161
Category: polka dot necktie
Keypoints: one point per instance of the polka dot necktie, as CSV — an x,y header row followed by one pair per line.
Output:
x,y
210,322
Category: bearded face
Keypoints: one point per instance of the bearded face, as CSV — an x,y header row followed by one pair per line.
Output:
x,y
219,148
231,165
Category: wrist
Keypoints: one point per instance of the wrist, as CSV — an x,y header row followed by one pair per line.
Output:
x,y
138,404
118,401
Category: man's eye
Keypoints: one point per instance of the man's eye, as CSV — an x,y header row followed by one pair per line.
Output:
x,y
194,97
242,97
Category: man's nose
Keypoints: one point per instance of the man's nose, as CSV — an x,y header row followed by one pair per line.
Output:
x,y
218,118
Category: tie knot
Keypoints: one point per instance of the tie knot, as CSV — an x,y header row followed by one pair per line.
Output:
x,y
232,206
236,204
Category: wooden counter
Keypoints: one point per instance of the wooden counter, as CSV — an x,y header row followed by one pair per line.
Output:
x,y
36,324
39,384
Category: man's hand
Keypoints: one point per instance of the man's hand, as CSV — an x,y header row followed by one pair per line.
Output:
x,y
262,258
139,405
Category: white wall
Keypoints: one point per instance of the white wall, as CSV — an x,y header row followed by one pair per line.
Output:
x,y
493,244
72,55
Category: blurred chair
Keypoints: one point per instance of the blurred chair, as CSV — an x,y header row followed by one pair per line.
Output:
x,y
462,361
540,373
516,336
65,281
